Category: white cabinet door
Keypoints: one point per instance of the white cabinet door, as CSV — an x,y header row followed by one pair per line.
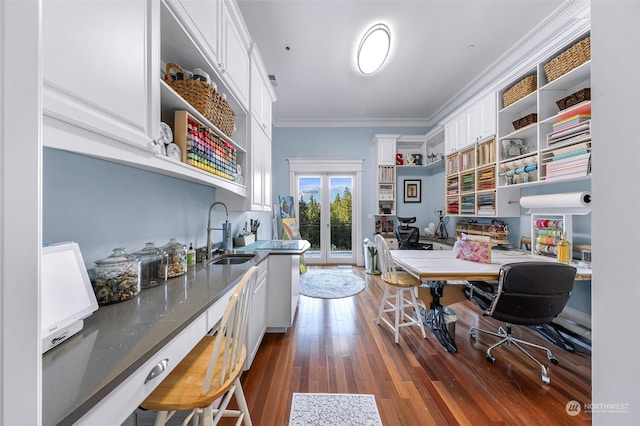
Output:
x,y
488,108
257,324
474,123
283,291
386,147
235,57
450,144
101,67
261,102
260,179
462,140
266,175
205,19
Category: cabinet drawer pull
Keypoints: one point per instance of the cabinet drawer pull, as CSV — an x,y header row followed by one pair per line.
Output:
x,y
157,370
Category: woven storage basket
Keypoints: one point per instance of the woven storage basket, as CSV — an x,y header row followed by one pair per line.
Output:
x,y
519,90
574,98
573,57
204,98
525,121
198,93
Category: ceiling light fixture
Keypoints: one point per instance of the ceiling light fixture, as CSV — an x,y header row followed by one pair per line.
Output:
x,y
374,48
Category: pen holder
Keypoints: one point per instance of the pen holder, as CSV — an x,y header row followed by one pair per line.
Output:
x,y
244,240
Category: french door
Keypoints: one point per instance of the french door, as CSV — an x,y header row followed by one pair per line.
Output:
x,y
328,208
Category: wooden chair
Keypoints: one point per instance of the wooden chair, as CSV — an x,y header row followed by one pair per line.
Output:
x,y
210,374
401,282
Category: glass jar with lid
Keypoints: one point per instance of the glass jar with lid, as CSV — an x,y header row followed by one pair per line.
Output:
x,y
177,258
153,265
116,278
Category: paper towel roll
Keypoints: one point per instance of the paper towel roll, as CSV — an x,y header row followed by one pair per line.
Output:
x,y
570,202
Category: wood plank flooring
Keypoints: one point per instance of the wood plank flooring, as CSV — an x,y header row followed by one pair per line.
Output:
x,y
335,346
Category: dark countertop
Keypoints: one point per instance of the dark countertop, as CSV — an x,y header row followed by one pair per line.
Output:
x,y
119,338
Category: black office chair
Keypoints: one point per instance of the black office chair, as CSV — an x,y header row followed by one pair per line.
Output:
x,y
408,236
527,293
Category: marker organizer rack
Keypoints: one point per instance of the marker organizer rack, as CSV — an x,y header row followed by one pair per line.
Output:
x,y
546,233
203,148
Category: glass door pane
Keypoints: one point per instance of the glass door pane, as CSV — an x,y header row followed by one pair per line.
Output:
x,y
341,219
309,214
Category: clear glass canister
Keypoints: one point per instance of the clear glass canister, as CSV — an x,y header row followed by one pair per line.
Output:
x,y
153,265
116,278
177,258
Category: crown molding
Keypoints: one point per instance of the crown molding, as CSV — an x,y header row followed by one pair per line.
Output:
x,y
372,122
567,23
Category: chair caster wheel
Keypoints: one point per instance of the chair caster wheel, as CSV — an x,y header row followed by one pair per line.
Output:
x,y
545,379
553,360
473,335
491,359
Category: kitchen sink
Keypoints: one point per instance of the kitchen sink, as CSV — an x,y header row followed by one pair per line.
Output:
x,y
231,259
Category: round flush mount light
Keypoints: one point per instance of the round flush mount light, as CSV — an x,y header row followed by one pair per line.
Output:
x,y
374,48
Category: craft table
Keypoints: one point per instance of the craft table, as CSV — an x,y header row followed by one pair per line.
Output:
x,y
440,269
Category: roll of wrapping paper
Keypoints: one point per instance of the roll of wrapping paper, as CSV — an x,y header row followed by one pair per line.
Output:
x,y
568,201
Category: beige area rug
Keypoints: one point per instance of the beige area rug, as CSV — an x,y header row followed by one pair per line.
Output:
x,y
334,409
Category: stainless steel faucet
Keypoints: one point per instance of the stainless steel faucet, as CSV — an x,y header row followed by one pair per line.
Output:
x,y
209,228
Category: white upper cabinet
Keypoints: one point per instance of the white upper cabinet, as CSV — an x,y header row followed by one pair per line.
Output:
x,y
234,55
385,149
260,168
261,98
455,133
482,119
217,29
100,67
205,16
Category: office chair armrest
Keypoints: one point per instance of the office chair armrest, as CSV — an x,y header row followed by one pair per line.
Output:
x,y
482,294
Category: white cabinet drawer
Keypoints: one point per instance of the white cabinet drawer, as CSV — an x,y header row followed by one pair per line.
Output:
x,y
124,399
216,311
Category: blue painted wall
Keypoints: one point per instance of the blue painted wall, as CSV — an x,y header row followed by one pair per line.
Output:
x,y
334,142
104,205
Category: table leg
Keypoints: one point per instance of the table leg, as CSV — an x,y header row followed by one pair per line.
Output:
x,y
434,318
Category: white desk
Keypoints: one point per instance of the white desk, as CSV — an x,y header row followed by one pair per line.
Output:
x,y
436,268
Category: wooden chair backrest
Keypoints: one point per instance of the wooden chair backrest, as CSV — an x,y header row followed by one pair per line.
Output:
x,y
230,335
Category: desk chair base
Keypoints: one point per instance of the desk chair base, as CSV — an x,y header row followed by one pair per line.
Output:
x,y
397,304
508,339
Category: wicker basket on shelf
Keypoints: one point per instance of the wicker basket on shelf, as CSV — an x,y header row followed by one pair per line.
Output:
x,y
525,121
519,90
204,98
571,58
198,93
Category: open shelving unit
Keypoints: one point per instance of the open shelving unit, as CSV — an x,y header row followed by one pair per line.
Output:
x,y
527,155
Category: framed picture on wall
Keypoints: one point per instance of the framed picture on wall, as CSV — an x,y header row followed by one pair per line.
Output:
x,y
413,191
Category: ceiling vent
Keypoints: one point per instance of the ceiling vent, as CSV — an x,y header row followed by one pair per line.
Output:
x,y
272,79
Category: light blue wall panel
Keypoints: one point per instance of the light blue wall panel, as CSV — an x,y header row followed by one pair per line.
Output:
x,y
334,142
103,205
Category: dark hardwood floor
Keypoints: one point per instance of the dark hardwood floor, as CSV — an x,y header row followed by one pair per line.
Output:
x,y
335,346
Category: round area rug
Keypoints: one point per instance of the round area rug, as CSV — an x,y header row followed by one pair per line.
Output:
x,y
330,283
